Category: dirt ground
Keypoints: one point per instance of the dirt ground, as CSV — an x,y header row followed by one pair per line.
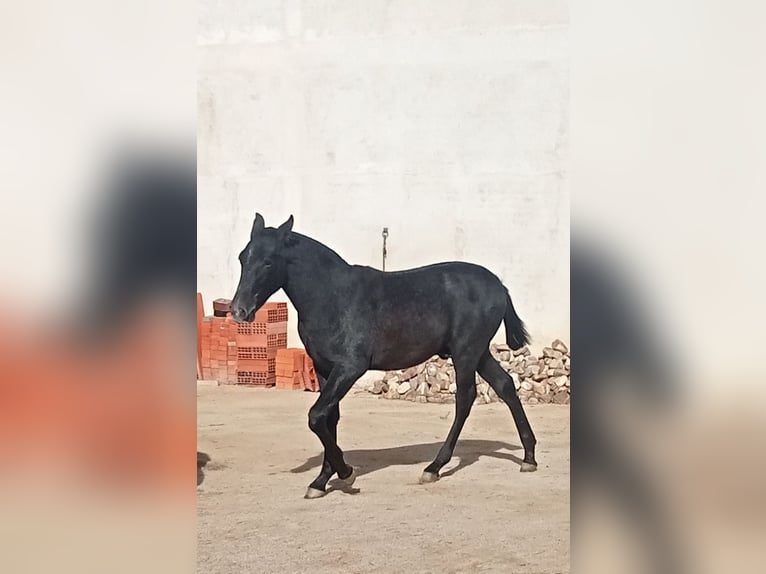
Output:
x,y
482,516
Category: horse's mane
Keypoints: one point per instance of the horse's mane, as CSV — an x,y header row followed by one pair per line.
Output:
x,y
306,244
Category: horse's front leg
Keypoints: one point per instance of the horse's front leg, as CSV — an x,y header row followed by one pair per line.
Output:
x,y
323,421
320,482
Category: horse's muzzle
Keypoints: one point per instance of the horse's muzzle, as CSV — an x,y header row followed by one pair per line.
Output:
x,y
240,314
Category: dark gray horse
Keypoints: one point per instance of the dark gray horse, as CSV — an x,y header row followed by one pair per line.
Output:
x,y
353,318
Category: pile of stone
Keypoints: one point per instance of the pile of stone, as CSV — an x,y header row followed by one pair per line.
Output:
x,y
543,379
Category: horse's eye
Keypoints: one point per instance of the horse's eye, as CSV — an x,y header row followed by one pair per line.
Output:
x,y
267,263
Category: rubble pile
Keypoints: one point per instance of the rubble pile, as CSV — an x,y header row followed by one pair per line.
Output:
x,y
543,379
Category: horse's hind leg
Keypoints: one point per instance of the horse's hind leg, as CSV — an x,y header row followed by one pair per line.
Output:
x,y
491,371
465,377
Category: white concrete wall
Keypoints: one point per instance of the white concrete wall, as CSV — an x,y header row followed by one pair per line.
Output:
x,y
445,120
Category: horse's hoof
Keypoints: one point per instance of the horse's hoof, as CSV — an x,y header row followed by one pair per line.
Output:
x,y
312,493
528,467
427,477
349,480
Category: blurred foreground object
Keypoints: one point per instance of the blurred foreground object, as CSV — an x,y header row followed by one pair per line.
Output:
x,y
667,176
144,240
97,406
97,216
620,364
667,475
99,374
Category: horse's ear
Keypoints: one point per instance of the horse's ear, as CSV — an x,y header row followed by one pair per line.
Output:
x,y
258,225
285,229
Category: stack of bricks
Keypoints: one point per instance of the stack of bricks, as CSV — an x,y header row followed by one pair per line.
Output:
x,y
295,371
219,349
243,353
257,344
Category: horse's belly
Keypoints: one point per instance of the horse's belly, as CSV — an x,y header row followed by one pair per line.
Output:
x,y
403,352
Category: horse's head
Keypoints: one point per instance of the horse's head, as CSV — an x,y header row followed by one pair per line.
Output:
x,y
264,268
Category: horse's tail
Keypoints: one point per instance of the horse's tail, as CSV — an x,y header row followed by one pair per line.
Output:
x,y
515,332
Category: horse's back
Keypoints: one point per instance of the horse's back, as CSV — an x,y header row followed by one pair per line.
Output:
x,y
439,284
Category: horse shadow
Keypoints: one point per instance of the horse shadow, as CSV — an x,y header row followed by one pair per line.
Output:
x,y
367,461
202,459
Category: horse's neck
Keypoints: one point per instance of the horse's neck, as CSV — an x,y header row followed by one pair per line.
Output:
x,y
311,271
